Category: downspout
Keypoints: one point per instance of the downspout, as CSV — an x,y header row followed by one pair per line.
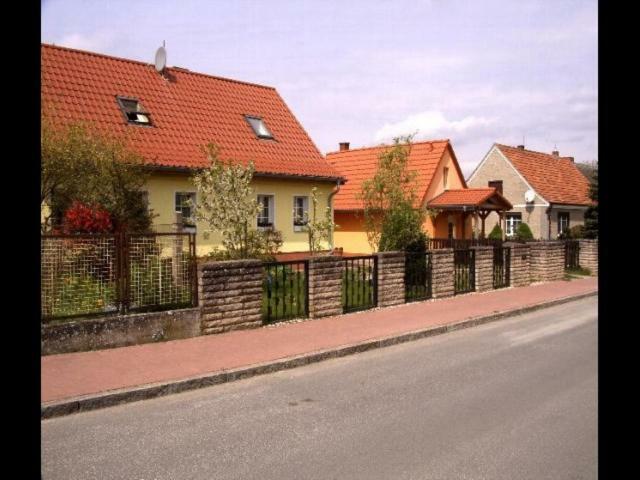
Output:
x,y
335,190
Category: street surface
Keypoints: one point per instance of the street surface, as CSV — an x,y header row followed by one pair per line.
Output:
x,y
513,399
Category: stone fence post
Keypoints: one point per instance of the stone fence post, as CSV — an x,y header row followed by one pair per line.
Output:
x,y
589,255
325,286
547,261
484,268
230,295
390,278
520,269
442,272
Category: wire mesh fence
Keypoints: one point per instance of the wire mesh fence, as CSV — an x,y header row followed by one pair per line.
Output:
x,y
78,275
85,275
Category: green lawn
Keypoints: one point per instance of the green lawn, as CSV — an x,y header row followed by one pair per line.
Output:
x,y
283,295
576,273
358,292
462,279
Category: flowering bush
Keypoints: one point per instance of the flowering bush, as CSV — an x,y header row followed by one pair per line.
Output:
x,y
81,218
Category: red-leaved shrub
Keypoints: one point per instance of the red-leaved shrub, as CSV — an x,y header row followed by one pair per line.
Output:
x,y
81,218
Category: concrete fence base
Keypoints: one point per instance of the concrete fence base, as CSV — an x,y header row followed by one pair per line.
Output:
x,y
82,335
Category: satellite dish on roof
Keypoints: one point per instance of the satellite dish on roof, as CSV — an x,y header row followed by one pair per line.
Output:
x,y
529,196
161,59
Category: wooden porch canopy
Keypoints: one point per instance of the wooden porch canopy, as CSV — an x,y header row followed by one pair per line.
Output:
x,y
479,202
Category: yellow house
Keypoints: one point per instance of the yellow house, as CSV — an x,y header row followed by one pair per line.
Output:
x,y
440,186
169,114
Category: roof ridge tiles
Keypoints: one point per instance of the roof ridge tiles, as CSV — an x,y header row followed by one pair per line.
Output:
x,y
138,62
375,147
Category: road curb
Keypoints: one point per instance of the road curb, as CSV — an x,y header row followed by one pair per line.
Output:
x,y
117,397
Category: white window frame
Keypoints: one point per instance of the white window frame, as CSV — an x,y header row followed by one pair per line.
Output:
x,y
511,224
566,215
186,228
305,209
272,211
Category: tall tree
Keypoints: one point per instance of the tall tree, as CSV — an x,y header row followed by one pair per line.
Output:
x,y
78,164
391,220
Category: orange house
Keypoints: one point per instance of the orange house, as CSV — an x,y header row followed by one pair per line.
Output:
x,y
440,186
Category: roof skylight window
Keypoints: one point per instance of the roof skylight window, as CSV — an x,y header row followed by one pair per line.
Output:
x,y
259,128
133,111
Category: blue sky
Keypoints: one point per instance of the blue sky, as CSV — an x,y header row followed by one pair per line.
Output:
x,y
476,72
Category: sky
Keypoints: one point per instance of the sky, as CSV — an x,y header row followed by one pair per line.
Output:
x,y
364,72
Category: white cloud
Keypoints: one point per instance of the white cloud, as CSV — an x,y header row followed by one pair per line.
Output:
x,y
430,124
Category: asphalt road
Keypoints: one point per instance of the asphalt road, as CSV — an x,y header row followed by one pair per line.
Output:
x,y
514,399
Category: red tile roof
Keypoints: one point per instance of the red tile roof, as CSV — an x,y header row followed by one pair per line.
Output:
x,y
468,197
360,164
557,179
187,110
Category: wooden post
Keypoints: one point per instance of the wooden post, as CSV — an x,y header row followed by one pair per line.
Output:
x,y
483,215
464,221
475,222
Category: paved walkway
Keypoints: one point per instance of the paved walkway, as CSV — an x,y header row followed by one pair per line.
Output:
x,y
75,374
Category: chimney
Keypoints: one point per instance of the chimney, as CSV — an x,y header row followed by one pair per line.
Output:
x,y
344,146
521,147
555,153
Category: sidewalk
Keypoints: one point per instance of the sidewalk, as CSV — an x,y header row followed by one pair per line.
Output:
x,y
74,376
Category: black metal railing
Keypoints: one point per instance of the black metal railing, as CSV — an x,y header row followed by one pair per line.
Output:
x,y
464,264
360,283
461,243
501,267
417,276
571,254
285,290
86,275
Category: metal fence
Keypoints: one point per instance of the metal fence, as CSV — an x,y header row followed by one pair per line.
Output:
x,y
100,274
501,267
461,243
571,254
360,283
417,276
285,290
464,264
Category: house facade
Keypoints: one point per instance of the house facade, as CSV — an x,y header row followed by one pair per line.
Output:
x,y
169,116
437,173
548,192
